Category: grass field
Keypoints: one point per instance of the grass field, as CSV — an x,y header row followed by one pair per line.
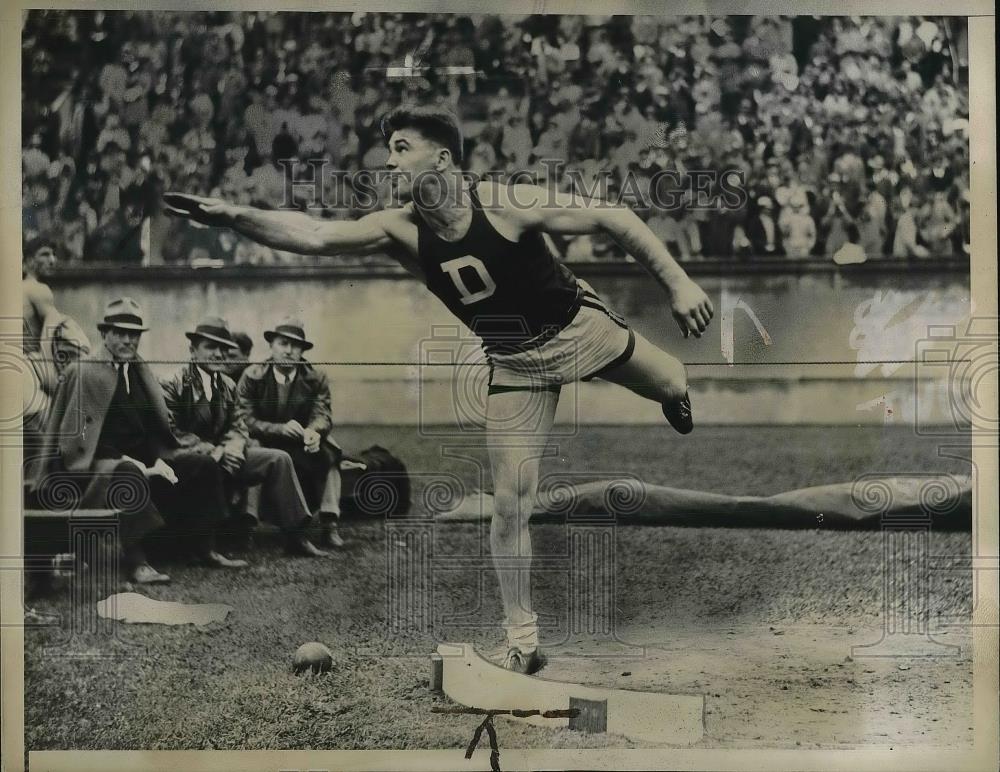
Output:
x,y
760,621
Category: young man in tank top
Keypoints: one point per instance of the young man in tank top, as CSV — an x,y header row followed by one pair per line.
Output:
x,y
39,312
480,249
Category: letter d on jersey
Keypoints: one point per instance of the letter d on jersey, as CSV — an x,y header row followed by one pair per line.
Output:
x,y
453,267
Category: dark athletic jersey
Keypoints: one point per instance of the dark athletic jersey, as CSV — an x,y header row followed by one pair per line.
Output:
x,y
513,295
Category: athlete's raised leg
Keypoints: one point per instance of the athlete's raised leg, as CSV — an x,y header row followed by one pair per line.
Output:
x,y
517,428
654,374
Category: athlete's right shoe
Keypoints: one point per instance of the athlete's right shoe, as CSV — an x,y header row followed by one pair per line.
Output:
x,y
520,662
678,413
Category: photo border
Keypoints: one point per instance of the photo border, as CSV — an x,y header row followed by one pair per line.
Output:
x,y
983,278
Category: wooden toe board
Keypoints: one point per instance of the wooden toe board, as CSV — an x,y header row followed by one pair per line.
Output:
x,y
472,681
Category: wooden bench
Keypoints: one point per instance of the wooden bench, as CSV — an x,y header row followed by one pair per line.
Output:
x,y
89,535
51,532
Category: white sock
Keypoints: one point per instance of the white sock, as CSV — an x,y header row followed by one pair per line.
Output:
x,y
523,635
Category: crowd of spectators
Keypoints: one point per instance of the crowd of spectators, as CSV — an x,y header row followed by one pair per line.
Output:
x,y
851,134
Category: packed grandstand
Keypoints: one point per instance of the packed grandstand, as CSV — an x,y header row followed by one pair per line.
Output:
x,y
849,136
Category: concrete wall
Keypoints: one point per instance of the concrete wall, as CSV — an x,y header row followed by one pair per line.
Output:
x,y
821,326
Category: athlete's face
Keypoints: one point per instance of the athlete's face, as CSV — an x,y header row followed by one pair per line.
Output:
x,y
411,153
42,261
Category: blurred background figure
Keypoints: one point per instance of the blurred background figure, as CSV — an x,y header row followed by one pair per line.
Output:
x,y
238,358
798,229
904,243
123,236
67,344
762,230
939,223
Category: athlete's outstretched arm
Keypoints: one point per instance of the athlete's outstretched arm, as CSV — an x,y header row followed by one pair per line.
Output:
x,y
283,229
566,213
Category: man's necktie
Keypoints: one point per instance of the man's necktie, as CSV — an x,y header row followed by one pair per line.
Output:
x,y
123,377
216,406
284,390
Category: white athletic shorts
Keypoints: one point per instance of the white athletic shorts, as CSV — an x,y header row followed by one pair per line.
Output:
x,y
597,340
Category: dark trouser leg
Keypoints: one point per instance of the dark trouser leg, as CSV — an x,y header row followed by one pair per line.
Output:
x,y
120,486
115,485
282,493
253,496
196,504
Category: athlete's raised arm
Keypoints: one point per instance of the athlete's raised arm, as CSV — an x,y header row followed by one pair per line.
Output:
x,y
283,229
554,211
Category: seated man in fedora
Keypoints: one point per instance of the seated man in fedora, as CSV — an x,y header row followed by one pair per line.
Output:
x,y
285,404
202,399
110,435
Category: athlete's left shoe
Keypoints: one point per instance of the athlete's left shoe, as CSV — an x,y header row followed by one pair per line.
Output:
x,y
678,413
520,662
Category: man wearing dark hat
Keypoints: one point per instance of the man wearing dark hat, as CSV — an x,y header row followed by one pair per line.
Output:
x,y
202,399
285,404
110,429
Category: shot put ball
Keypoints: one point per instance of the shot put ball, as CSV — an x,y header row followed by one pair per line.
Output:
x,y
312,657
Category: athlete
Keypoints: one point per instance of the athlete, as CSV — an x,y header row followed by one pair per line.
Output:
x,y
481,249
39,313
45,331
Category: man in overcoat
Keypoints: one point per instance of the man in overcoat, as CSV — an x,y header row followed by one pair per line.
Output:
x,y
110,444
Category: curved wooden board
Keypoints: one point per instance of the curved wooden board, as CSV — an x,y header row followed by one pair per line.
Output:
x,y
861,503
666,719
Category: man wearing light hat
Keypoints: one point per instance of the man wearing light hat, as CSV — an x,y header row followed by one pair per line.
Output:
x,y
285,404
110,428
202,399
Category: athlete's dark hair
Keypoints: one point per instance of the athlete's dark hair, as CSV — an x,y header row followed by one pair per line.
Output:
x,y
434,123
28,264
33,245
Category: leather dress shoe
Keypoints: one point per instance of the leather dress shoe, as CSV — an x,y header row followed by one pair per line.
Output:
x,y
146,574
300,545
215,559
332,537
